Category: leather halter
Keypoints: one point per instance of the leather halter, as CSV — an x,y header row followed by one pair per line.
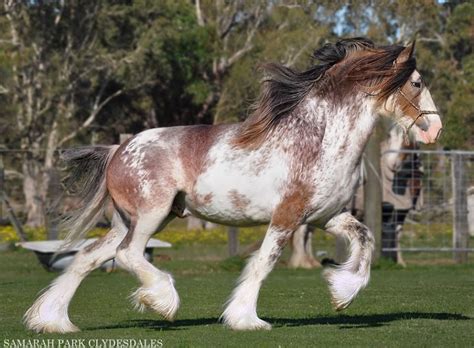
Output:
x,y
421,112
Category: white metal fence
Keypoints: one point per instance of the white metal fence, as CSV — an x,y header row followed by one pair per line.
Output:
x,y
441,186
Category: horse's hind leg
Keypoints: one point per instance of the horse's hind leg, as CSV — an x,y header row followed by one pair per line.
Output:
x,y
157,291
346,280
49,313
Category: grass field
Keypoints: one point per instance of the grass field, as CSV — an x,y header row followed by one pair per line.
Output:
x,y
421,306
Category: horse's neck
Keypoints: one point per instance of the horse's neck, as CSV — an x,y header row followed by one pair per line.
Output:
x,y
348,128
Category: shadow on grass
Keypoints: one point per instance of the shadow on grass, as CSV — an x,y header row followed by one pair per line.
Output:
x,y
344,321
364,321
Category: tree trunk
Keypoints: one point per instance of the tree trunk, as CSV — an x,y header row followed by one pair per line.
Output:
x,y
34,193
373,190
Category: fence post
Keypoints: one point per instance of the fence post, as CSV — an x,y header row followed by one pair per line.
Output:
x,y
460,223
4,202
233,240
124,137
2,182
373,190
54,192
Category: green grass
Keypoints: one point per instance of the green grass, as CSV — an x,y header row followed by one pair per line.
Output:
x,y
421,306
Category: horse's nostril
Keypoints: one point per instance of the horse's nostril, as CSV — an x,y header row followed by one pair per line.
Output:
x,y
421,122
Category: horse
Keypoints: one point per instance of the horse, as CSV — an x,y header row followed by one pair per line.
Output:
x,y
294,160
301,242
402,174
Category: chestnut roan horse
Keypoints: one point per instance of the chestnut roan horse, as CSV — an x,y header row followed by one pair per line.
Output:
x,y
294,160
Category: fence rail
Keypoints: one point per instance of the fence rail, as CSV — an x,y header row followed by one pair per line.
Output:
x,y
443,217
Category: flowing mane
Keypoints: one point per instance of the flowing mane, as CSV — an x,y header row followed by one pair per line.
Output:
x,y
348,64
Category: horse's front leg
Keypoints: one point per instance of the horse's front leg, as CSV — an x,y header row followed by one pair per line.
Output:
x,y
241,311
347,279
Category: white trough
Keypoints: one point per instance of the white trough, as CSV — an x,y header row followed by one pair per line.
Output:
x,y
45,250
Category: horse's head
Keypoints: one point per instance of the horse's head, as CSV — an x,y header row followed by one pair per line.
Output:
x,y
346,70
411,103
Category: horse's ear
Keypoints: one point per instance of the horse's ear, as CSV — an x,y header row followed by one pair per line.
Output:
x,y
406,54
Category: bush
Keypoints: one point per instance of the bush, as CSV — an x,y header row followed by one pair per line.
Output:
x,y
175,236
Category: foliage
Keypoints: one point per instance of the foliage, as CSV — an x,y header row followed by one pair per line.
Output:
x,y
174,235
288,36
9,235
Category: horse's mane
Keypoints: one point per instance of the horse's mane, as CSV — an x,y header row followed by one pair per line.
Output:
x,y
347,64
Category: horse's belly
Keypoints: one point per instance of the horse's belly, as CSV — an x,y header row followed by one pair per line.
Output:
x,y
232,206
231,216
236,197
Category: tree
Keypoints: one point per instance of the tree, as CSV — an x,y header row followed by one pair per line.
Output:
x,y
234,25
288,35
73,70
63,72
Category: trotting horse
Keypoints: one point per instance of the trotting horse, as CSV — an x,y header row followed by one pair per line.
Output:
x,y
294,160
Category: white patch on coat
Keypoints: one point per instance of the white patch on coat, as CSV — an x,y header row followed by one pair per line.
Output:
x,y
136,151
135,155
234,170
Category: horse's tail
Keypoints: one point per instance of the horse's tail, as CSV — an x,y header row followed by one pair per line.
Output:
x,y
87,167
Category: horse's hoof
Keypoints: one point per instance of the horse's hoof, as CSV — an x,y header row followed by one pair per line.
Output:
x,y
40,326
246,323
160,300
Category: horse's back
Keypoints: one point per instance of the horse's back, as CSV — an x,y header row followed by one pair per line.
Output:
x,y
159,161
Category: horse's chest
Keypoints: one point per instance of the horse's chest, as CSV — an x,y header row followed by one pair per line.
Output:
x,y
333,193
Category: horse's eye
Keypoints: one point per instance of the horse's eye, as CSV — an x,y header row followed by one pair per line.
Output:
x,y
416,84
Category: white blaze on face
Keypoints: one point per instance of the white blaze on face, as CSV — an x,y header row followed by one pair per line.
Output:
x,y
433,120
